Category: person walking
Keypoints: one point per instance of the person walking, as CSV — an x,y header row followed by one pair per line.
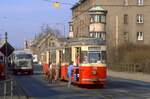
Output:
x,y
53,74
50,72
70,73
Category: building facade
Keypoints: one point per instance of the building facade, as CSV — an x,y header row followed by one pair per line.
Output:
x,y
118,21
44,44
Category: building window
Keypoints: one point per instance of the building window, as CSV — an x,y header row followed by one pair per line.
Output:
x,y
140,2
70,28
140,18
103,18
140,36
101,35
125,35
125,19
125,2
92,19
96,18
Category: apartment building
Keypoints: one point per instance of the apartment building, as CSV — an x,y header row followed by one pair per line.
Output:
x,y
117,21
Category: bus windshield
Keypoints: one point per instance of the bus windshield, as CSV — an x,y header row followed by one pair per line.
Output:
x,y
23,56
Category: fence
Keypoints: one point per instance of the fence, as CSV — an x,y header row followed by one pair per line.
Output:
x,y
130,67
10,89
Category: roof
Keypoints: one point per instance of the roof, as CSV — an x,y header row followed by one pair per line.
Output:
x,y
78,3
86,41
97,8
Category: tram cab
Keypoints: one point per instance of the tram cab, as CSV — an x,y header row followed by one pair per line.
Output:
x,y
90,64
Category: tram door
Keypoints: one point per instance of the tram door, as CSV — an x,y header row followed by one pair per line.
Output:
x,y
60,62
78,60
78,55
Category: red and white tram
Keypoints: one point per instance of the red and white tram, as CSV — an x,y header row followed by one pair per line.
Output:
x,y
89,57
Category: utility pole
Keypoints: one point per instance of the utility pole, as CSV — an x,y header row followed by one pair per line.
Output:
x,y
6,58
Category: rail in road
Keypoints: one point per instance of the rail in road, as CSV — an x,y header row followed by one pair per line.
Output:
x,y
38,88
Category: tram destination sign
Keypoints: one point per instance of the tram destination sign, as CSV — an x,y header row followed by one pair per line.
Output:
x,y
6,49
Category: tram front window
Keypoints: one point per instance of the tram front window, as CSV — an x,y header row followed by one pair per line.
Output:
x,y
94,57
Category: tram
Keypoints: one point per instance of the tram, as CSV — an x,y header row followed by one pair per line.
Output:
x,y
89,57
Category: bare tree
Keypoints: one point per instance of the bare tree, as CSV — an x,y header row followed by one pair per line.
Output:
x,y
46,29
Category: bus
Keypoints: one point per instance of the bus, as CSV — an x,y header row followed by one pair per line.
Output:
x,y
22,62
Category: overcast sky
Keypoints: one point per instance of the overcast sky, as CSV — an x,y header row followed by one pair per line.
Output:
x,y
22,19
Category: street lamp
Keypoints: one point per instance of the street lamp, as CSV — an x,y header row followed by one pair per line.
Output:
x,y
58,4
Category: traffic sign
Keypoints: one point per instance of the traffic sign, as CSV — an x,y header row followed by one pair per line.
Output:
x,y
7,49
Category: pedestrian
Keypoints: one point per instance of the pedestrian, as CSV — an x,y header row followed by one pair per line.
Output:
x,y
70,73
50,76
56,73
53,74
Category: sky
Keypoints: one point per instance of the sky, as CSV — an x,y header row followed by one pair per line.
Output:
x,y
22,19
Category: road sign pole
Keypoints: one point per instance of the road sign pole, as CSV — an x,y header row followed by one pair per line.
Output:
x,y
7,50
6,61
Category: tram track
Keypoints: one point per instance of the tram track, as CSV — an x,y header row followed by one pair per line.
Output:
x,y
115,89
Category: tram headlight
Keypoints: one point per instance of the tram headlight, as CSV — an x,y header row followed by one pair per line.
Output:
x,y
94,72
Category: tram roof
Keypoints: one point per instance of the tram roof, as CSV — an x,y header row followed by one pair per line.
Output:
x,y
86,41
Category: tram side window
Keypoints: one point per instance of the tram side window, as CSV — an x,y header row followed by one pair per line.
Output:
x,y
66,55
84,57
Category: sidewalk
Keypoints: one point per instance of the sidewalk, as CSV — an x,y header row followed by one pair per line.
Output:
x,y
132,76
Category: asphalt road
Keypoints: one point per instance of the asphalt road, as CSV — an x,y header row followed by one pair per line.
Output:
x,y
38,88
